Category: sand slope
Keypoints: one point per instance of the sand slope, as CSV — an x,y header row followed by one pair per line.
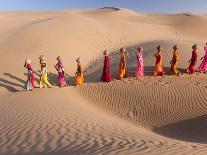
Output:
x,y
149,115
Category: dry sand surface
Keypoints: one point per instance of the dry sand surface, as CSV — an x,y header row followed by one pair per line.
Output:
x,y
148,115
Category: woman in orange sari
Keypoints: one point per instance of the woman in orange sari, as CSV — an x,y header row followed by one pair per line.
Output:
x,y
79,74
174,61
159,71
122,65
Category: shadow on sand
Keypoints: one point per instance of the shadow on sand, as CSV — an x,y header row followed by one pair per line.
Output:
x,y
192,130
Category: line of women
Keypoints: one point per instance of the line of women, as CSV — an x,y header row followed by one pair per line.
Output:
x,y
44,83
106,75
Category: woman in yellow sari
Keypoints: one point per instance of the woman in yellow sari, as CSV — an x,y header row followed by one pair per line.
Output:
x,y
43,77
159,71
122,65
79,74
174,61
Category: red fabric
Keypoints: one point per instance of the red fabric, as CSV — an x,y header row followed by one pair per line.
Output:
x,y
106,75
193,62
158,58
31,79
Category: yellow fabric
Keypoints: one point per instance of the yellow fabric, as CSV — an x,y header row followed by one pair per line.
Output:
x,y
122,66
79,76
43,79
158,67
174,63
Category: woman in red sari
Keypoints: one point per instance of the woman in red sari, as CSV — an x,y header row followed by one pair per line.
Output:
x,y
193,60
106,75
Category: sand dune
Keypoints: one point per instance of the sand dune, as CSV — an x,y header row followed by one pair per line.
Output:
x,y
149,115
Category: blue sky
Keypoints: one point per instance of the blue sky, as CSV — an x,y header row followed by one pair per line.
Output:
x,y
149,6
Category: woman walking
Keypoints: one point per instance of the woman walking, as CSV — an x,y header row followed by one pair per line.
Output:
x,y
203,65
174,61
79,74
61,72
43,77
106,75
193,60
122,65
29,85
159,71
140,63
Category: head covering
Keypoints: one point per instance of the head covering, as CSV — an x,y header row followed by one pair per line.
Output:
x,y
140,49
194,46
42,57
122,50
28,61
78,60
59,58
159,47
106,52
175,47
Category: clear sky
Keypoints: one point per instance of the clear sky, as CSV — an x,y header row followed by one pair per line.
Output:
x,y
149,6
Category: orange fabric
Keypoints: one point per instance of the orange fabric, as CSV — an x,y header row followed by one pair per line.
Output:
x,y
159,64
174,63
79,76
122,66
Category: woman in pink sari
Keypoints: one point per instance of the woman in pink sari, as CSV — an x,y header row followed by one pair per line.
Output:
x,y
106,75
203,65
193,60
60,68
140,63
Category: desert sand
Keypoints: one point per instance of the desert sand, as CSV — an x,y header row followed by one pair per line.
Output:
x,y
148,115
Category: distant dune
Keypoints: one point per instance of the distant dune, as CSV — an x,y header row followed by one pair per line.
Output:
x,y
148,115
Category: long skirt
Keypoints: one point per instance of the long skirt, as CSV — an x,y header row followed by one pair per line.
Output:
x,y
29,84
203,65
174,69
79,80
122,72
44,81
159,71
191,68
106,76
61,79
140,69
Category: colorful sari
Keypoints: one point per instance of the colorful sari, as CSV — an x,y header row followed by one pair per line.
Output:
x,y
203,65
140,64
79,76
159,71
106,75
173,62
193,62
61,77
122,66
29,85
